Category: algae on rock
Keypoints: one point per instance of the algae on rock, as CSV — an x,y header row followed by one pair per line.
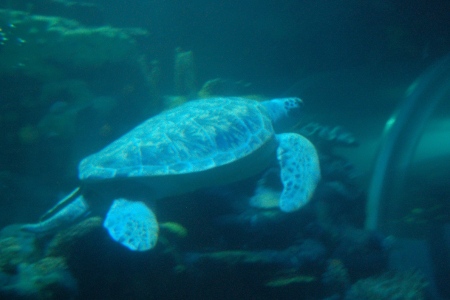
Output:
x,y
46,46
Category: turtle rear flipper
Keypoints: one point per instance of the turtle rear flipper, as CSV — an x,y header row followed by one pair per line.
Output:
x,y
300,170
77,208
60,204
132,224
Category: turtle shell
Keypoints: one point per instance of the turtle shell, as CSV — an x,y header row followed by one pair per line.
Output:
x,y
194,137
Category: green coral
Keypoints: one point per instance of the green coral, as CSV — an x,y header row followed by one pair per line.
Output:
x,y
40,46
288,280
174,228
235,257
391,285
28,275
48,278
16,247
9,254
63,242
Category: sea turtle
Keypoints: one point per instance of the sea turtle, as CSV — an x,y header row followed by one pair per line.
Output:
x,y
203,143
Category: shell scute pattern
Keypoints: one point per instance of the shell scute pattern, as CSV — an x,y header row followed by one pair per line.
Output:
x,y
197,136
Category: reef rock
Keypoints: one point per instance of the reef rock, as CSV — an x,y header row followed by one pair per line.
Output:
x,y
46,46
47,278
63,242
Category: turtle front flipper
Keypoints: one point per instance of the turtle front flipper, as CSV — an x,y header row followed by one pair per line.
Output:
x,y
300,170
132,224
65,216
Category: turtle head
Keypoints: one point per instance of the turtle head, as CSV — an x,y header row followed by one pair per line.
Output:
x,y
284,112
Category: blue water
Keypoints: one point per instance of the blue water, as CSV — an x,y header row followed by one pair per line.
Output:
x,y
75,76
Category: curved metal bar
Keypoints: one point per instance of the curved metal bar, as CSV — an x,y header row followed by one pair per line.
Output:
x,y
401,136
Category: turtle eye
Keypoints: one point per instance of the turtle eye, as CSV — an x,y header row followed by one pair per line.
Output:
x,y
292,106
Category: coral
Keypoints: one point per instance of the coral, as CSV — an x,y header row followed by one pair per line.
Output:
x,y
239,257
184,73
66,98
174,228
170,102
28,134
26,275
58,124
63,242
363,253
73,92
152,74
309,253
16,247
268,190
253,219
287,280
169,246
9,254
48,278
43,46
336,277
88,13
335,136
389,286
184,79
219,87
